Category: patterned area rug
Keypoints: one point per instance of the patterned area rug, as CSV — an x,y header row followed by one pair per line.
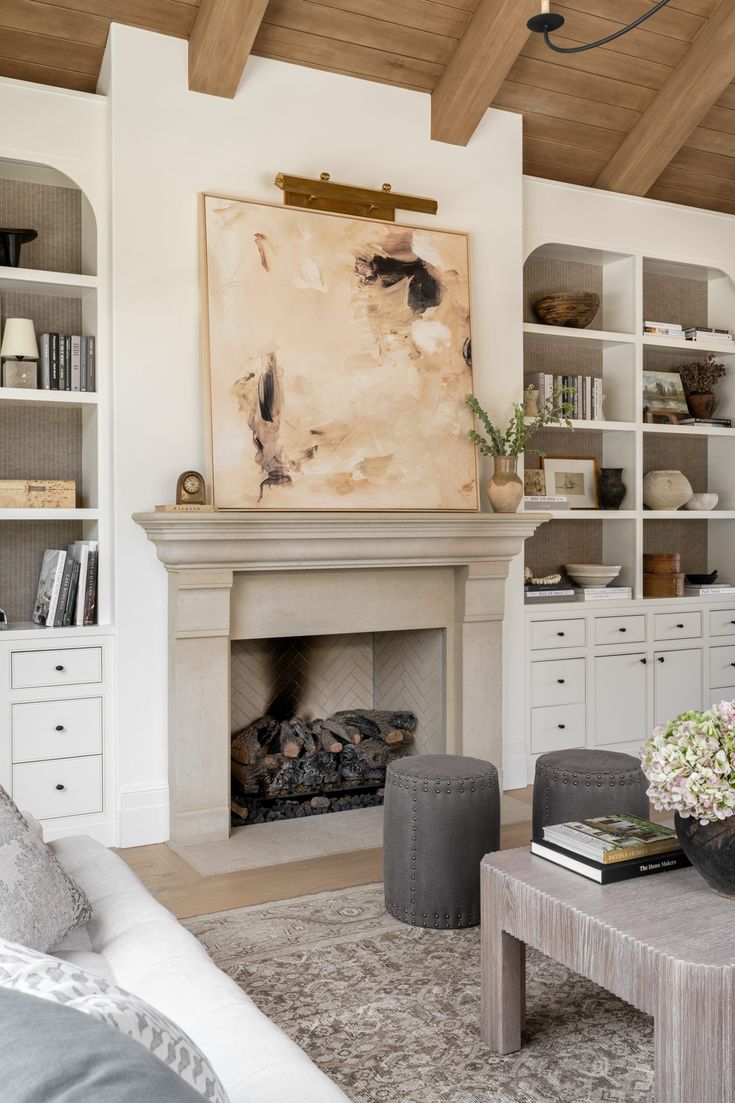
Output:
x,y
391,1012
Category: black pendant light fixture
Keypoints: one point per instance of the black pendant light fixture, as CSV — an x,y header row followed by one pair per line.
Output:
x,y
549,21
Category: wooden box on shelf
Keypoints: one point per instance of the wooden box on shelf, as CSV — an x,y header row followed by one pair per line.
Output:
x,y
37,494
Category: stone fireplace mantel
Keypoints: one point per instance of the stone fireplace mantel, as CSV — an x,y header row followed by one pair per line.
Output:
x,y
255,575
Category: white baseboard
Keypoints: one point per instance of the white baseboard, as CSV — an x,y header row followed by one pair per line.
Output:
x,y
515,767
144,814
104,831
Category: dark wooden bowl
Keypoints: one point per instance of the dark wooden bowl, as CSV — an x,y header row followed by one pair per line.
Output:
x,y
575,309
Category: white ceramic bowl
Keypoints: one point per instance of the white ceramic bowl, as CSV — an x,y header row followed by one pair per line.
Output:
x,y
702,502
592,574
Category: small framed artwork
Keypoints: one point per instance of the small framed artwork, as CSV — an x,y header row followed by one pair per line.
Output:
x,y
574,478
663,396
534,482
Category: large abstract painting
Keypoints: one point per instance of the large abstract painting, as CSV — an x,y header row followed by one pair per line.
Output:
x,y
339,360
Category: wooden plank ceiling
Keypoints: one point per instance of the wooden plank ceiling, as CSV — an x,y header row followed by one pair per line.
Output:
x,y
582,112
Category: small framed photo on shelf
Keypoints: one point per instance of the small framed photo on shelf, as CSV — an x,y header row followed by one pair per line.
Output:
x,y
663,397
574,478
534,482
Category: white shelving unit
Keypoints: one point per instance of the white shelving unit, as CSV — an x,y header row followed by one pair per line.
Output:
x,y
57,684
602,674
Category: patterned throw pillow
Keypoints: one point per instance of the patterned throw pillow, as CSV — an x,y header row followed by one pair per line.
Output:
x,y
39,902
52,979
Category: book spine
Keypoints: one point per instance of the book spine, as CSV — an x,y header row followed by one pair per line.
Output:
x,y
91,364
67,346
72,596
659,864
82,586
548,388
62,362
76,363
90,596
588,397
82,363
55,590
54,355
63,593
45,364
578,399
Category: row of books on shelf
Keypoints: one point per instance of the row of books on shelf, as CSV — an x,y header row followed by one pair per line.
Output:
x,y
67,586
690,333
583,393
67,362
611,848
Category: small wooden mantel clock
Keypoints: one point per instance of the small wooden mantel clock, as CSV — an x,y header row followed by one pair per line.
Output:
x,y
190,489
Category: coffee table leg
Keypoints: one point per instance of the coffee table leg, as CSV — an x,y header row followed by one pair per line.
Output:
x,y
693,1031
503,976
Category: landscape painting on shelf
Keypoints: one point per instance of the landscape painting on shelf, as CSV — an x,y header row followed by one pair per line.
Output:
x,y
339,361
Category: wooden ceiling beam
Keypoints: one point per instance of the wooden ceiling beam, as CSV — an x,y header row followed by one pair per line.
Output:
x,y
486,52
220,44
684,99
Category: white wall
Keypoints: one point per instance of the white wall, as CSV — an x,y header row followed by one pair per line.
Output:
x,y
167,146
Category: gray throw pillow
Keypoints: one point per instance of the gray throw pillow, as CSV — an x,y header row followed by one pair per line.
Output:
x,y
50,978
53,1054
39,902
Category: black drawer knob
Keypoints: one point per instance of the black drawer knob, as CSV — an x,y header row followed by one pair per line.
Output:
x,y
732,622
644,661
561,633
680,626
561,681
59,727
622,629
732,664
562,726
661,659
60,787
59,668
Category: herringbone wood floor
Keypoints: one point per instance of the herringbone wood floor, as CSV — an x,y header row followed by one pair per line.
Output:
x,y
186,893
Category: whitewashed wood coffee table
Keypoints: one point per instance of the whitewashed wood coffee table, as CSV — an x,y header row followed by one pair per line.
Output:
x,y
665,944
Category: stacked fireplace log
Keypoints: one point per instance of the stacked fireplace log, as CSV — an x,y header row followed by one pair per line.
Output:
x,y
347,751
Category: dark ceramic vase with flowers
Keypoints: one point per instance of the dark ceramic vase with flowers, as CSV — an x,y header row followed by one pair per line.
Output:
x,y
699,380
710,847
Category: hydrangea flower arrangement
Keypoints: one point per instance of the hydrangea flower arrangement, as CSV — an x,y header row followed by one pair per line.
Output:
x,y
690,764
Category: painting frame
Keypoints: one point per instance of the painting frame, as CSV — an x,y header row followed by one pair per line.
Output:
x,y
222,501
657,403
575,467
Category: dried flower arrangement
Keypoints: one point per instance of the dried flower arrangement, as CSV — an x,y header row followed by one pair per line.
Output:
x,y
701,376
690,764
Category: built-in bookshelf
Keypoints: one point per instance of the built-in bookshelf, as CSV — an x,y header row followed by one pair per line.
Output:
x,y
634,287
48,434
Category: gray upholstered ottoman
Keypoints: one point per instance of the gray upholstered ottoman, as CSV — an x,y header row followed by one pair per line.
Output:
x,y
577,784
442,815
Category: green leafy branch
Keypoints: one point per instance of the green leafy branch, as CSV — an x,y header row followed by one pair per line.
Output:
x,y
557,410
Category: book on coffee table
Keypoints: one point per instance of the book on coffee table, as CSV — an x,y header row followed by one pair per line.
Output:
x,y
609,874
613,838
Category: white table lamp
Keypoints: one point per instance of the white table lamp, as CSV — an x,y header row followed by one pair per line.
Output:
x,y
20,351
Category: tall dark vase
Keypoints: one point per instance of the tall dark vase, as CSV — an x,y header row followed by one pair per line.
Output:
x,y
611,487
702,405
711,850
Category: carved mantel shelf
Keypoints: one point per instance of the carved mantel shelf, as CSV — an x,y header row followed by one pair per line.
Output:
x,y
289,541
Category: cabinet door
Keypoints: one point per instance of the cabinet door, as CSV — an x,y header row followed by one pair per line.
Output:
x,y
621,699
677,683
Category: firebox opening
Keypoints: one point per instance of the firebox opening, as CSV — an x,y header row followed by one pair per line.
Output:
x,y
317,719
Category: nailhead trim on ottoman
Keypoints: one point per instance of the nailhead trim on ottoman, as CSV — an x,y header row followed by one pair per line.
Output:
x,y
578,784
442,815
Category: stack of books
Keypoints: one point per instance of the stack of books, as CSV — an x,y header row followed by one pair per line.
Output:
x,y
611,848
603,593
718,422
67,586
559,591
714,589
67,363
582,392
545,501
664,329
704,333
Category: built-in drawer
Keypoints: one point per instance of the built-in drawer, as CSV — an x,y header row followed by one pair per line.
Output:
x,y
67,666
620,629
557,682
722,622
678,626
60,787
56,729
555,729
557,633
721,667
